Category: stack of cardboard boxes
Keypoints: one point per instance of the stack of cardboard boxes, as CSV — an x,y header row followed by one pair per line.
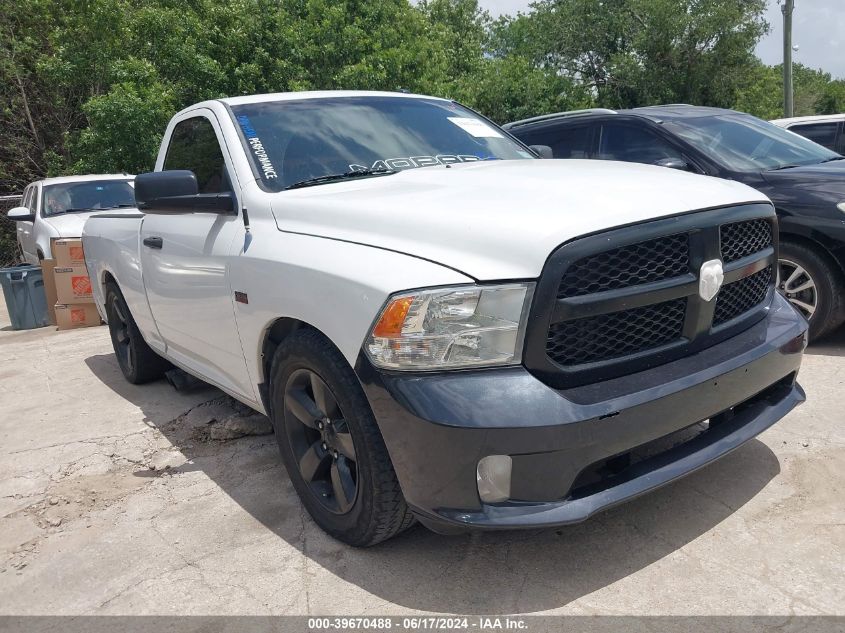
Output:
x,y
68,287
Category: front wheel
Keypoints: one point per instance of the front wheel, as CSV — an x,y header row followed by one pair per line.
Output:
x,y
331,445
812,286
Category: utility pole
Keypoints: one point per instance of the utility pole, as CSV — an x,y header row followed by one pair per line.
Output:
x,y
787,7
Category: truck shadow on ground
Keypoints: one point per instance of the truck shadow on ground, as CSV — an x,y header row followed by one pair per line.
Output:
x,y
476,573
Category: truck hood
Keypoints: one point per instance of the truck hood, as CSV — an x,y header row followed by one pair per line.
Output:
x,y
498,219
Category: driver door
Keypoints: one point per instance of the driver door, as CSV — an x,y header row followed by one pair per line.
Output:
x,y
185,260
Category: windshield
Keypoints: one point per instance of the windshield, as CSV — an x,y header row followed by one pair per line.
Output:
x,y
291,142
744,143
87,196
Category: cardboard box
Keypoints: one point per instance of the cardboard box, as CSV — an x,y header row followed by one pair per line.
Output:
x,y
73,286
67,252
47,267
78,315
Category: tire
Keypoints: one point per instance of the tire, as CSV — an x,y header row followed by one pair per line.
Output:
x,y
331,445
138,362
812,285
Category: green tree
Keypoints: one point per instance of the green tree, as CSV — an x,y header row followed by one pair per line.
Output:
x,y
125,124
639,52
513,88
459,29
815,92
832,99
761,92
88,85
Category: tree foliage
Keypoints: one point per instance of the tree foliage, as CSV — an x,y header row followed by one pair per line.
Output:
x,y
639,52
815,92
88,85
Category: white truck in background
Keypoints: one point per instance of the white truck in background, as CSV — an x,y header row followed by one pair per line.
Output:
x,y
440,326
58,207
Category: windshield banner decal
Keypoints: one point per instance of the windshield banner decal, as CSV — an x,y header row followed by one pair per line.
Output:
x,y
412,162
257,148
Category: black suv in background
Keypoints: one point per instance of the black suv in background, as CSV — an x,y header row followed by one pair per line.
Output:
x,y
805,181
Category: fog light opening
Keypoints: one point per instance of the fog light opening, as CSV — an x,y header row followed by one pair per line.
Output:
x,y
494,478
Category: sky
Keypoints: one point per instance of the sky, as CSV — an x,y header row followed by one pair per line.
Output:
x,y
818,30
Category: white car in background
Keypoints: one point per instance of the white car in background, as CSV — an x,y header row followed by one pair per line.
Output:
x,y
58,207
827,130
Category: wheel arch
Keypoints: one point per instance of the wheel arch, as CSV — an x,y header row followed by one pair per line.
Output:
x,y
837,280
277,331
107,278
808,241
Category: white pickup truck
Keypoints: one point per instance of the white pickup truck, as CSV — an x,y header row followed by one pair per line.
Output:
x,y
59,207
439,325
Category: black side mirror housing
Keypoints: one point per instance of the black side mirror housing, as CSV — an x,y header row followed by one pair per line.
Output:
x,y
543,151
176,191
673,163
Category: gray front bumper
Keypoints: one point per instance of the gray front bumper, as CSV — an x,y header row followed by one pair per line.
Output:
x,y
438,426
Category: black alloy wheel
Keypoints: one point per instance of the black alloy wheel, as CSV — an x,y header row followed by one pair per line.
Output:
x,y
119,326
812,285
320,441
137,360
331,444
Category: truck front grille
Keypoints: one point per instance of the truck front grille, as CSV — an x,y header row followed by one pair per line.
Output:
x,y
739,297
628,299
639,263
616,334
740,239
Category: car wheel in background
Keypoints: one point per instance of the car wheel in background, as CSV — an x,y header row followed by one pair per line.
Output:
x,y
331,445
138,362
812,286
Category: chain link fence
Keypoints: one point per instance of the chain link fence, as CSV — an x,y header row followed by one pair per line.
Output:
x,y
10,253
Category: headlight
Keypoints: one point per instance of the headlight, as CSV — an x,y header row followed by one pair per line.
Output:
x,y
447,328
841,206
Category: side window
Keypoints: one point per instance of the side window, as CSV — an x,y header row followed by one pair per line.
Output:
x,y
26,198
821,133
194,146
633,145
29,198
566,141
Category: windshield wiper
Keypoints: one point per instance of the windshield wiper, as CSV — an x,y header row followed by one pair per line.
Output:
x,y
784,167
827,160
349,175
88,209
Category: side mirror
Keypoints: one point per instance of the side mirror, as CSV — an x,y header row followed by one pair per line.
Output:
x,y
176,191
543,151
673,163
21,214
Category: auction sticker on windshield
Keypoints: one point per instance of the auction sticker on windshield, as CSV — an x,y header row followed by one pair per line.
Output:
x,y
476,127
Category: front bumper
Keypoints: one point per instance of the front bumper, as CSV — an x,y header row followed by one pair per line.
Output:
x,y
438,426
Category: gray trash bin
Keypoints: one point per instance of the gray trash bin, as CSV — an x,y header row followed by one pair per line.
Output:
x,y
23,287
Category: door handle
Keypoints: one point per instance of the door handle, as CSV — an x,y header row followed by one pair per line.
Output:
x,y
153,242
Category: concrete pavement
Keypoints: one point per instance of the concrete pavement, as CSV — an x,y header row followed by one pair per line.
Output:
x,y
116,499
